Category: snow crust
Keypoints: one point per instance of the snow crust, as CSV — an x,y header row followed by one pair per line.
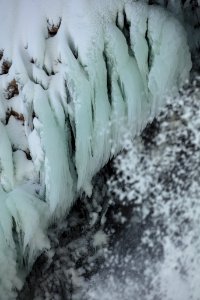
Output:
x,y
74,76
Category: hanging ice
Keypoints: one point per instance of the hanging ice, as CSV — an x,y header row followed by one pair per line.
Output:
x,y
74,75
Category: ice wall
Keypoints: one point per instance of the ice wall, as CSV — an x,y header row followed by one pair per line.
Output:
x,y
74,75
188,13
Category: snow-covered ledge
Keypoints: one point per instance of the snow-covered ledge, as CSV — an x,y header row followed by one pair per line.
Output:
x,y
74,75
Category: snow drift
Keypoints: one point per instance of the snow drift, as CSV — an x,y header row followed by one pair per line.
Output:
x,y
74,76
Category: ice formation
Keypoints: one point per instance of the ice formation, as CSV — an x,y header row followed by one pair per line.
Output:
x,y
188,12
74,74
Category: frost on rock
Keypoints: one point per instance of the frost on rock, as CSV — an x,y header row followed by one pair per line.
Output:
x,y
73,76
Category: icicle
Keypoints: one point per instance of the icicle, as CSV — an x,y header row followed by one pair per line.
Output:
x,y
59,184
6,162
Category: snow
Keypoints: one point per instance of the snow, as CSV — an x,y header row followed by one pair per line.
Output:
x,y
100,239
16,134
23,167
75,72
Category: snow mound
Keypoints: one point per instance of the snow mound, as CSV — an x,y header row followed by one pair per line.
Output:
x,y
74,75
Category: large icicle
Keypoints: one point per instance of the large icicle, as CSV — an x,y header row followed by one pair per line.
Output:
x,y
58,181
6,160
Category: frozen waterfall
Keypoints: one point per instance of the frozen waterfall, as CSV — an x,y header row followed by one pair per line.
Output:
x,y
74,75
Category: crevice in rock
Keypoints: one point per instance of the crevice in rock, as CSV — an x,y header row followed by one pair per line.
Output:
x,y
5,67
108,79
15,114
149,59
1,54
12,90
53,28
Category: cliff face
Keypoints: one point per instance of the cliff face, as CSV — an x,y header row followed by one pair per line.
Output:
x,y
75,76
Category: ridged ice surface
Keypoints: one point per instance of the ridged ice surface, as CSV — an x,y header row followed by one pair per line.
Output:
x,y
75,75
